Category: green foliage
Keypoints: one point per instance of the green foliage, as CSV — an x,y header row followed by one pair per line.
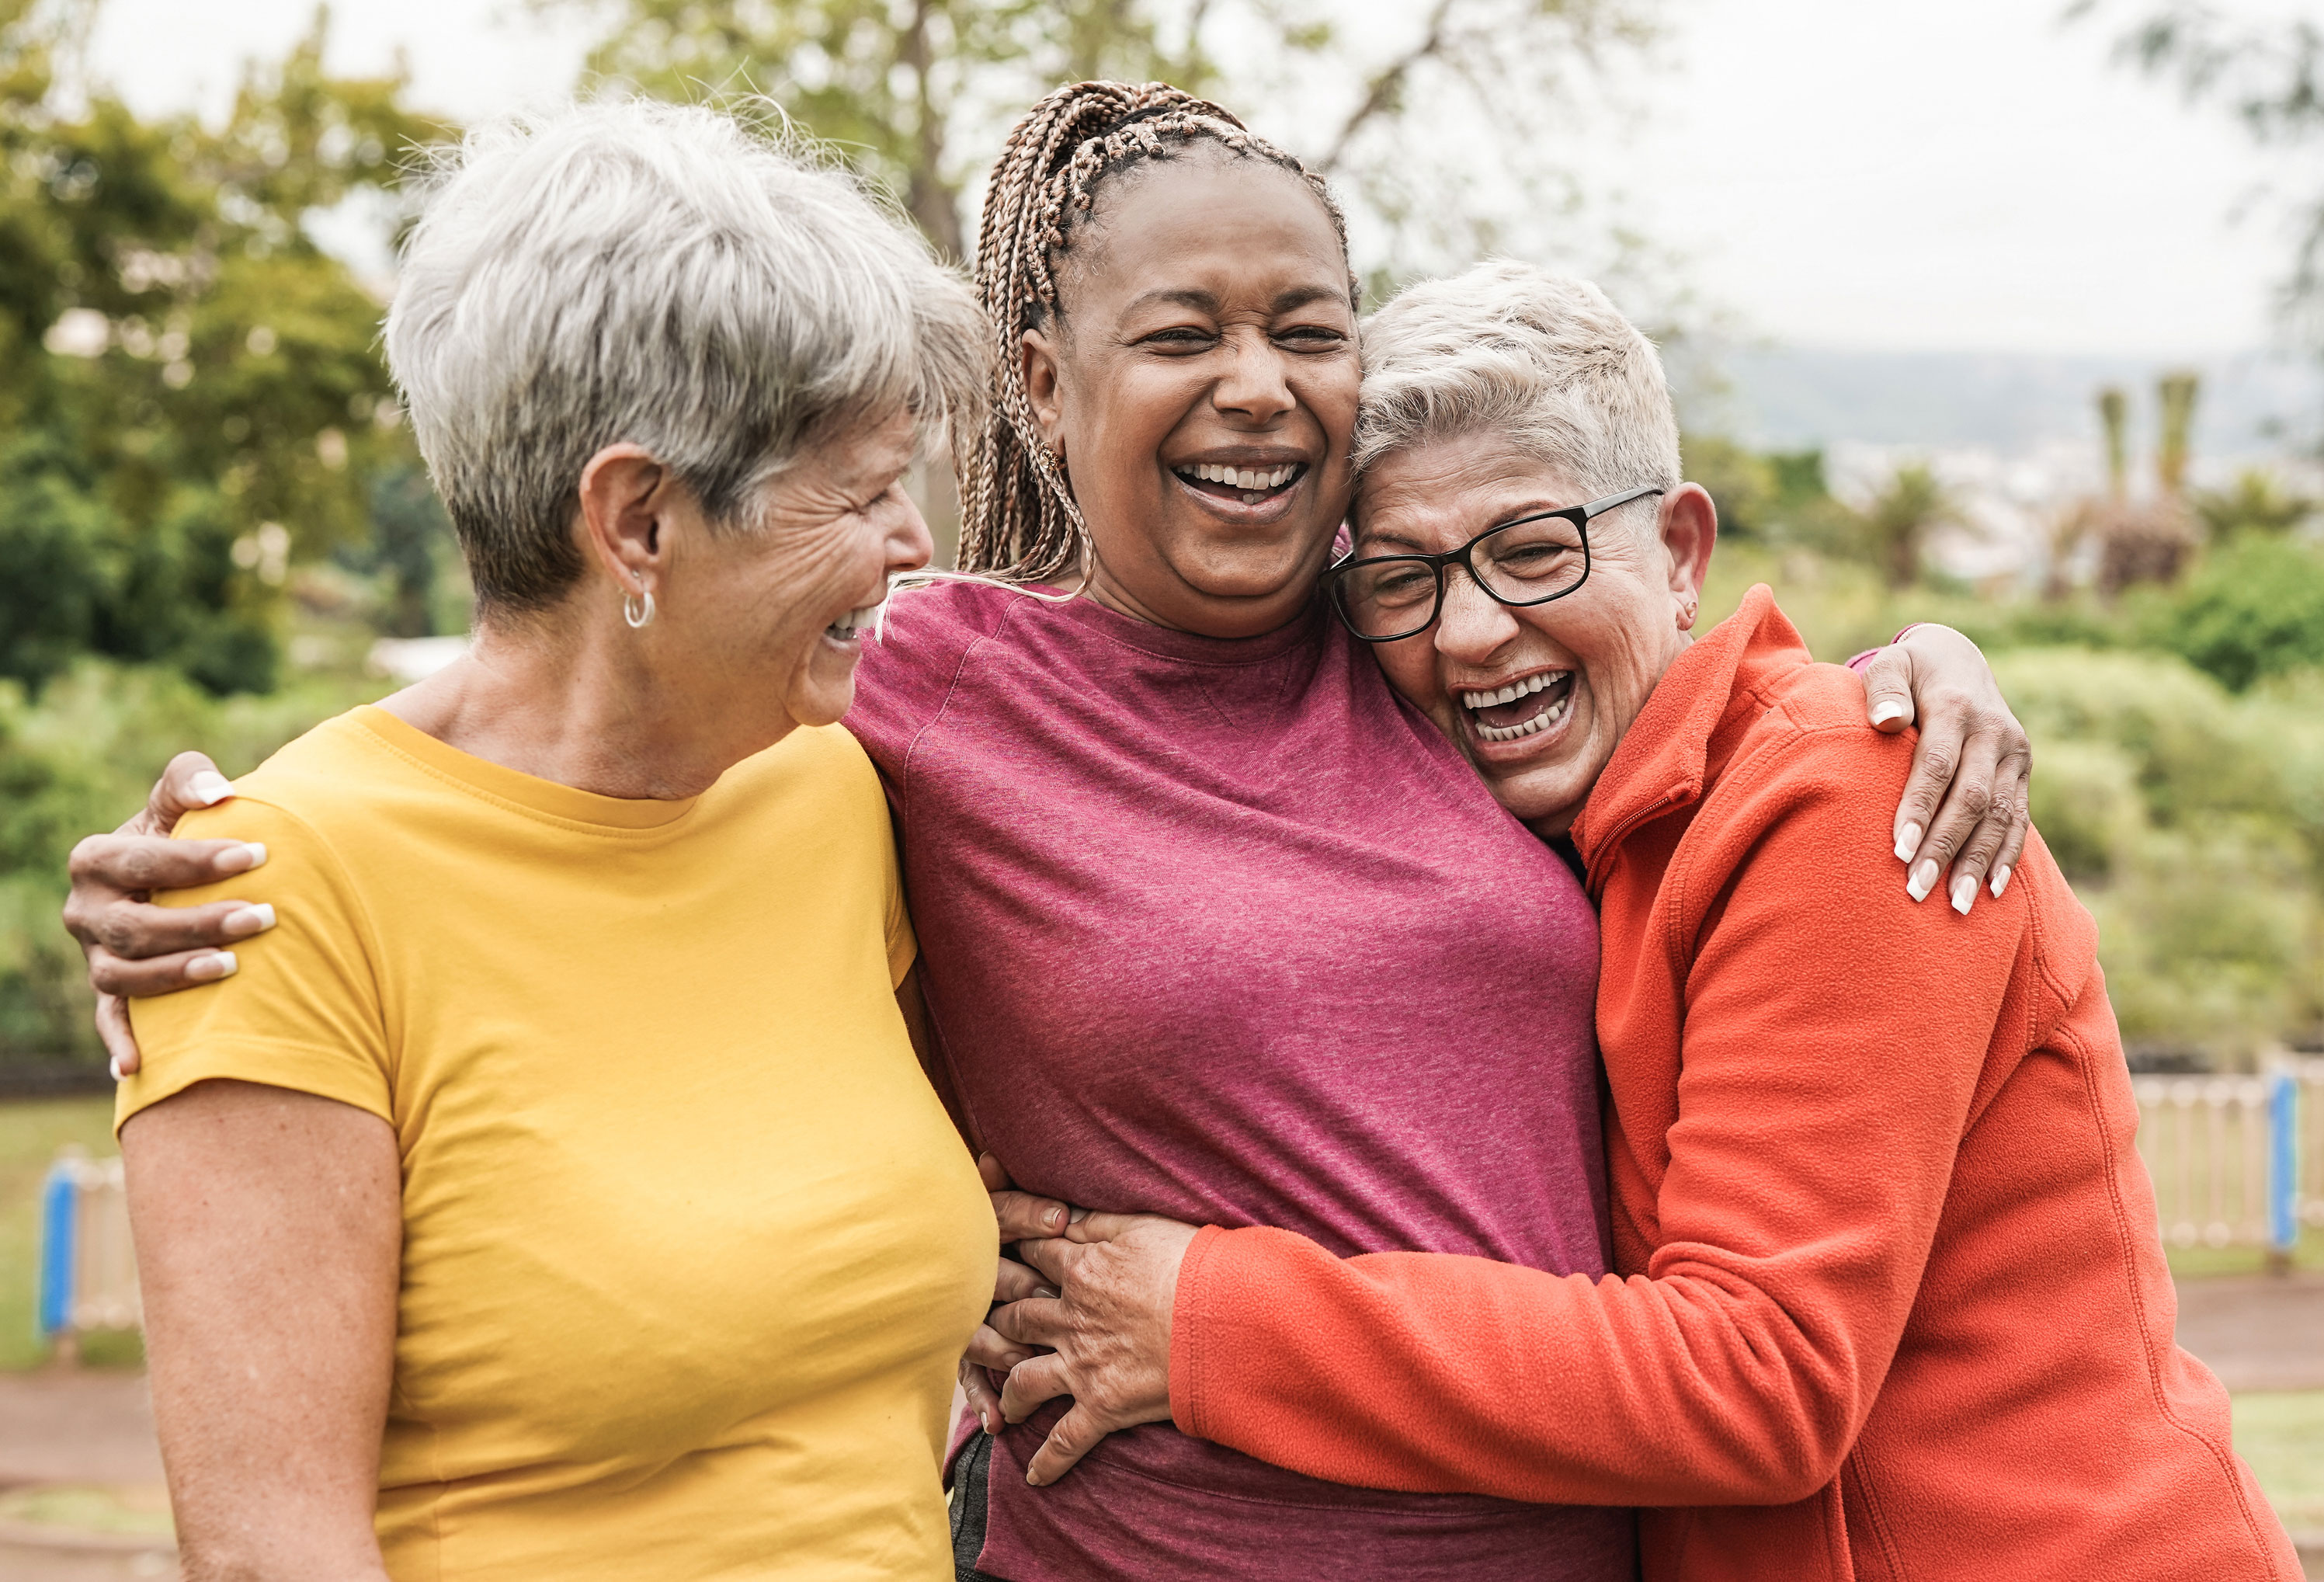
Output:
x,y
2257,504
1742,484
2255,608
189,388
910,91
80,759
2192,824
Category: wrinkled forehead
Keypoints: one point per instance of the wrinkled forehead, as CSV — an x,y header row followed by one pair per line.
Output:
x,y
1439,493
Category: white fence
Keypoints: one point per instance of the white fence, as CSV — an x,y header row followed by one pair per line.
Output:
x,y
2236,1161
88,1270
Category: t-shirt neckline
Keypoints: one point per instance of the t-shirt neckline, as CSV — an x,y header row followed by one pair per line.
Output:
x,y
568,803
1301,630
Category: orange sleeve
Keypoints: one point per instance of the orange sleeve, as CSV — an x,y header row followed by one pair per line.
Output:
x,y
1834,1036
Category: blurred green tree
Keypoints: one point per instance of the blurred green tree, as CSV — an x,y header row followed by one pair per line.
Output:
x,y
2254,609
924,90
2258,503
190,393
1896,525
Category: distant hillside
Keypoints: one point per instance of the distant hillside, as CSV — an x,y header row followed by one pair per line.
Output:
x,y
1789,398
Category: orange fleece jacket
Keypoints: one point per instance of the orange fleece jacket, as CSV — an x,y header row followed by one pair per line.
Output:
x,y
1891,1298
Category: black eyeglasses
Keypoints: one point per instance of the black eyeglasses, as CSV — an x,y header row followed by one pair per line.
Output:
x,y
1385,598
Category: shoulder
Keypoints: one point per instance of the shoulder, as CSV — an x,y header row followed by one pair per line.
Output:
x,y
336,774
1810,732
910,666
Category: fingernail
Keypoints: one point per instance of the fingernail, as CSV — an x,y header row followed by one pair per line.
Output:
x,y
2000,880
210,788
201,969
1079,1215
1048,1291
114,1066
1053,1217
1923,880
1964,893
241,858
1908,843
1889,708
250,919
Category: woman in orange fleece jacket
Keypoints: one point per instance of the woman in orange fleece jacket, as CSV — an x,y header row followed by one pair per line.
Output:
x,y
1892,1301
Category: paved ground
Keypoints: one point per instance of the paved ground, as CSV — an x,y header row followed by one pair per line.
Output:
x,y
96,1429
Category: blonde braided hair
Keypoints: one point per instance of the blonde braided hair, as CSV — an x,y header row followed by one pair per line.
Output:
x,y
1018,519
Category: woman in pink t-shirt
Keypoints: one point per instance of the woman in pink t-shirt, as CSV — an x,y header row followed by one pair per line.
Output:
x,y
1211,924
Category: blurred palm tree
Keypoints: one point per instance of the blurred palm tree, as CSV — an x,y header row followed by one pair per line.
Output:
x,y
1900,519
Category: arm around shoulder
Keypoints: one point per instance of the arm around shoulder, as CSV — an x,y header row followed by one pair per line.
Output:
x,y
1809,1140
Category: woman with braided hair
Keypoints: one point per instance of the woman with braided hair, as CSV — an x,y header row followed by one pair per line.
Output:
x,y
1211,925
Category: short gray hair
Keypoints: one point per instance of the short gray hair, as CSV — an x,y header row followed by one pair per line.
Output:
x,y
1543,359
665,275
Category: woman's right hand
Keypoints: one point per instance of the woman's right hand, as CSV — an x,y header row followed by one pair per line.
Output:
x,y
137,949
1022,1218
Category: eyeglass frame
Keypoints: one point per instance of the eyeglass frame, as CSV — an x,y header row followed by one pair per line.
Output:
x,y
1580,516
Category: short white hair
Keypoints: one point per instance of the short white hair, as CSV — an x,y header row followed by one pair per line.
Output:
x,y
1542,359
663,275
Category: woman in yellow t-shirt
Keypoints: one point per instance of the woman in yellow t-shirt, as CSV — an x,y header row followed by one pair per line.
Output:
x,y
486,1230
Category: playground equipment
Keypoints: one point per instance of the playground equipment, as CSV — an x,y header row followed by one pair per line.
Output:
x,y
2236,1161
88,1270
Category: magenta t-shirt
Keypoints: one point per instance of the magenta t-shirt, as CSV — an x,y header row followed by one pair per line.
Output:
x,y
1221,929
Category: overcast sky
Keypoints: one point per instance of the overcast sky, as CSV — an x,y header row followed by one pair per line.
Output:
x,y
1884,174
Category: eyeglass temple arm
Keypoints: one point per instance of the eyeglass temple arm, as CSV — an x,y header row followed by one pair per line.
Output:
x,y
1600,507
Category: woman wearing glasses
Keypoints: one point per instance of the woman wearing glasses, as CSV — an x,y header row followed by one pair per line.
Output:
x,y
1895,1301
1210,924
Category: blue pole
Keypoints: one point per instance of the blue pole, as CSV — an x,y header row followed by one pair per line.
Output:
x,y
57,1217
2283,1163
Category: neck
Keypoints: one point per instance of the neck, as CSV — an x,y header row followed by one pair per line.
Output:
x,y
577,704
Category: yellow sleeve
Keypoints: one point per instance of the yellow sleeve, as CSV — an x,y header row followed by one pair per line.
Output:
x,y
903,945
302,1010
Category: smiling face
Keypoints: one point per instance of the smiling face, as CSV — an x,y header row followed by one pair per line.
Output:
x,y
1201,384
767,622
1536,698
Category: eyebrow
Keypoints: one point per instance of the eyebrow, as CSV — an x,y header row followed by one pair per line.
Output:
x,y
1500,519
1204,301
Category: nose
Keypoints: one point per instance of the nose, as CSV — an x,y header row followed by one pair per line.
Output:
x,y
910,544
1254,387
1472,627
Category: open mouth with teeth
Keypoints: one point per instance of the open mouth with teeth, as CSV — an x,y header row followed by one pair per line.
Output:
x,y
1248,485
850,626
1522,708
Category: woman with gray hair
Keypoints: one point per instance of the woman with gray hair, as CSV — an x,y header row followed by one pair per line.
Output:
x,y
460,1207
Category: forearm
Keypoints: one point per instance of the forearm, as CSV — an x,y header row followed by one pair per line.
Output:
x,y
1438,1373
1812,1119
268,1234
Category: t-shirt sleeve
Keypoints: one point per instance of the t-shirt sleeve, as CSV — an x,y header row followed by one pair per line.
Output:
x,y
302,1010
905,673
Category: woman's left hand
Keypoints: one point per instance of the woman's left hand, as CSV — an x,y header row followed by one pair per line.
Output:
x,y
1118,1276
1964,806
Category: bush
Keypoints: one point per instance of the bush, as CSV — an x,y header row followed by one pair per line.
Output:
x,y
2254,609
2192,823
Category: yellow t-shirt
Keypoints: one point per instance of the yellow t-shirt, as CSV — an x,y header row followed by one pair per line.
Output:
x,y
690,1248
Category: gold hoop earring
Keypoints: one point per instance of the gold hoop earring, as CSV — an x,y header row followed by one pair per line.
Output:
x,y
638,613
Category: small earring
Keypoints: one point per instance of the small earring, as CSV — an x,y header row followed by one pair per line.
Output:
x,y
636,613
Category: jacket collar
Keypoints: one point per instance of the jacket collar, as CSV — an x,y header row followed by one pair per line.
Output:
x,y
1694,714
